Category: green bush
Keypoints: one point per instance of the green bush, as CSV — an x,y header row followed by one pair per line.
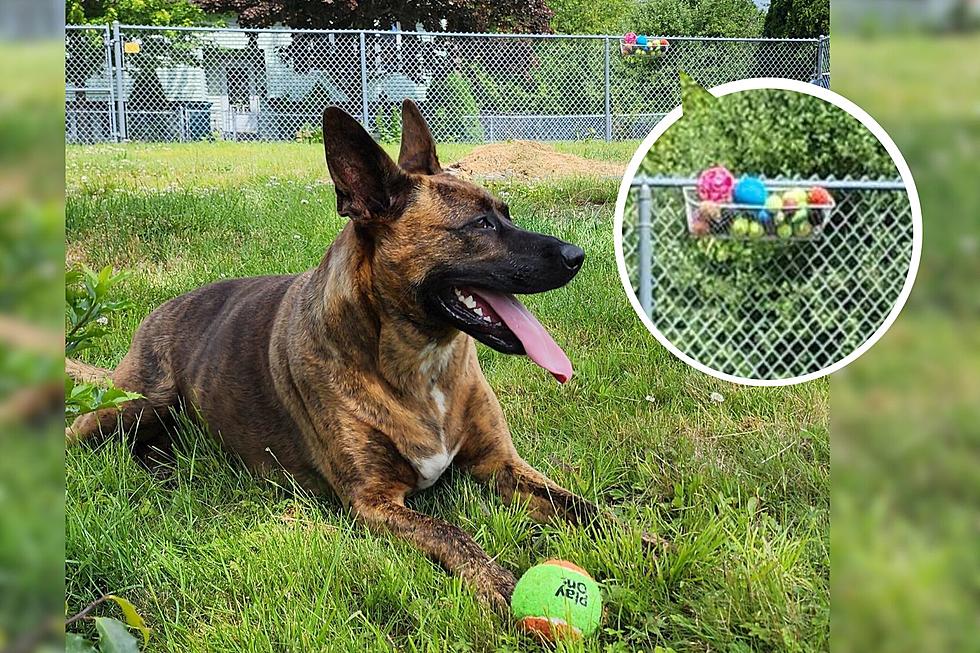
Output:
x,y
388,124
731,18
586,16
88,307
768,132
797,19
455,116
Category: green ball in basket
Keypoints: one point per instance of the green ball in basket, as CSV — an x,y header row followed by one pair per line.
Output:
x,y
557,600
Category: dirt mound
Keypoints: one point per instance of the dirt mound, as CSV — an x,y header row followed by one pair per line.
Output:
x,y
528,160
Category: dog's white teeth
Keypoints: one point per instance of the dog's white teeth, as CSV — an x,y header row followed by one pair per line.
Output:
x,y
469,302
478,311
486,318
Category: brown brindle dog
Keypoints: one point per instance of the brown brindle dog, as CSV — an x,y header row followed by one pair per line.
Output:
x,y
360,376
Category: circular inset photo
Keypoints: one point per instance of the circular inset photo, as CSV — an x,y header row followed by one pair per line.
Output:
x,y
767,231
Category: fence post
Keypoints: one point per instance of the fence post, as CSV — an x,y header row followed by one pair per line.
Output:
x,y
120,83
608,99
364,98
818,68
824,42
645,264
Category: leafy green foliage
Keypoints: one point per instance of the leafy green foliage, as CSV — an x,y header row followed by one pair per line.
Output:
x,y
388,125
769,132
460,15
455,118
133,618
134,12
309,134
586,16
797,19
75,643
83,397
88,305
732,18
113,635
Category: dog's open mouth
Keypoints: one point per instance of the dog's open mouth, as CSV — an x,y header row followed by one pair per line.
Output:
x,y
499,320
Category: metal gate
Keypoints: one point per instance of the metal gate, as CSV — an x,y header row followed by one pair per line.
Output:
x,y
769,309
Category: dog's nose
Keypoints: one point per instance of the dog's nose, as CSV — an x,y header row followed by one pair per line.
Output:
x,y
572,256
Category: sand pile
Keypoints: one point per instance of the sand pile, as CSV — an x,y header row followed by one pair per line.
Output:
x,y
528,160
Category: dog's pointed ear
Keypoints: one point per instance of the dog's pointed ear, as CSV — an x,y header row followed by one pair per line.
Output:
x,y
418,152
370,186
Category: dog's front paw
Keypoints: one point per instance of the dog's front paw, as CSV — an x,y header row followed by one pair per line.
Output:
x,y
494,586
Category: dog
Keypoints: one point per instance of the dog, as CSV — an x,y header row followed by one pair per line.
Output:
x,y
360,377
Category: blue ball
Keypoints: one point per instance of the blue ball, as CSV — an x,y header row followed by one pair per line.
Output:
x,y
751,191
641,40
764,216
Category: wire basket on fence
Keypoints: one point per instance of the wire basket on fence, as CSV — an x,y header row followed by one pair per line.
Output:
x,y
643,46
802,220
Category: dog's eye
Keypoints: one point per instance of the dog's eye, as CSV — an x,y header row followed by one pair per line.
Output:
x,y
483,223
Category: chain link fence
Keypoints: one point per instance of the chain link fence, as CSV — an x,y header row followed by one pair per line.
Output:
x,y
183,84
90,100
765,309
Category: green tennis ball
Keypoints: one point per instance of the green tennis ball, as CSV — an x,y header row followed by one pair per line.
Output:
x,y
740,227
803,230
557,600
774,203
798,195
756,230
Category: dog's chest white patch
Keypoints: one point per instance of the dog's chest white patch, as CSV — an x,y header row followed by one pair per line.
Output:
x,y
433,361
439,399
431,468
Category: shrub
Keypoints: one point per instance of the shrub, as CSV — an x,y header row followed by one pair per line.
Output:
x,y
88,306
388,125
731,18
309,134
769,132
797,19
456,113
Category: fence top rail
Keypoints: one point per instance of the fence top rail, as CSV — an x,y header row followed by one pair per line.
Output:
x,y
499,35
781,182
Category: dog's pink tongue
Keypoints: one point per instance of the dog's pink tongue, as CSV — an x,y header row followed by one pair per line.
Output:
x,y
538,343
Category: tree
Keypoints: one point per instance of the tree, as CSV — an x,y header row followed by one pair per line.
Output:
x,y
134,12
731,18
797,19
586,16
460,15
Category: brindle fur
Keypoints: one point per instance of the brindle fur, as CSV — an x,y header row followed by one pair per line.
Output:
x,y
340,375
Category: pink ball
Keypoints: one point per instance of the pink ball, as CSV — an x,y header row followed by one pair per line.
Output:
x,y
716,184
629,37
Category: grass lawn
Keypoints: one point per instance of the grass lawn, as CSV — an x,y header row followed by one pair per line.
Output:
x,y
220,561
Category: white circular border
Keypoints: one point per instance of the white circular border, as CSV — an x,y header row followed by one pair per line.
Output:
x,y
838,101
